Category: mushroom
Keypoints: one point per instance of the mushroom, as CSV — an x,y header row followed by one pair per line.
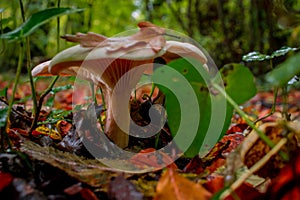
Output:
x,y
116,65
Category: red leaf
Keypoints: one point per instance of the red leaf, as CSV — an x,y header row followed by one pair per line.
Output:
x,y
5,180
195,166
172,186
238,128
246,192
286,185
214,183
152,158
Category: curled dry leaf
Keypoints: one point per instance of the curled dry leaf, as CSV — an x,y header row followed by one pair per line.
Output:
x,y
148,34
172,186
253,148
152,158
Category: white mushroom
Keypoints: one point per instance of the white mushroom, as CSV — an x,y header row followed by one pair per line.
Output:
x,y
117,64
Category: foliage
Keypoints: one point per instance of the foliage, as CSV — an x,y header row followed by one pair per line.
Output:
x,y
35,21
189,79
187,86
284,72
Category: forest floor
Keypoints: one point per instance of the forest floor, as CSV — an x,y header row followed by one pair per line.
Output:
x,y
53,163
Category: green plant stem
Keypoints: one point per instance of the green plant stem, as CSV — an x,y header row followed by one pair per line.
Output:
x,y
272,109
152,90
11,101
2,41
104,108
285,104
92,86
265,138
58,30
254,168
40,104
28,65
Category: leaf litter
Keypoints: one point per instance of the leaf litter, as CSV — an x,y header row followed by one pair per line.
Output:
x,y
198,177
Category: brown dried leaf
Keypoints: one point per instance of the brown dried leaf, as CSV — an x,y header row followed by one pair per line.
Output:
x,y
253,148
172,186
86,40
149,34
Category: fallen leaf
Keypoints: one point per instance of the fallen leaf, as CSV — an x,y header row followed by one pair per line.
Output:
x,y
286,185
172,186
246,192
253,148
152,158
6,179
122,189
214,183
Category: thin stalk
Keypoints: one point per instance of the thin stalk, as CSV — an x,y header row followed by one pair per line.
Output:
x,y
1,28
92,86
28,65
285,105
152,90
58,30
104,108
272,109
274,100
265,138
40,104
11,101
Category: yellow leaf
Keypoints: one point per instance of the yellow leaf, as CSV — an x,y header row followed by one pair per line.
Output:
x,y
172,186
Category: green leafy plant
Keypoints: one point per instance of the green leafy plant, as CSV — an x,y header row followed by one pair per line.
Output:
x,y
238,83
20,34
35,21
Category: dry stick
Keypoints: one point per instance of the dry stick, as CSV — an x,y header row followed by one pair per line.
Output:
x,y
39,106
262,136
254,168
16,111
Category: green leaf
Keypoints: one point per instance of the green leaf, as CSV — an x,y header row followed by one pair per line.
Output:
x,y
188,105
35,21
285,71
3,92
3,115
239,82
61,88
255,56
197,115
283,51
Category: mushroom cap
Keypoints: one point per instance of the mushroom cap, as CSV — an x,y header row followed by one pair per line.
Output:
x,y
175,49
75,56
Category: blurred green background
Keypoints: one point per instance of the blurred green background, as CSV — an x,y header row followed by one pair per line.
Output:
x,y
227,29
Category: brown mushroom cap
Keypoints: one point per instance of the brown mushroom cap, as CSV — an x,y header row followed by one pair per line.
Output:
x,y
106,61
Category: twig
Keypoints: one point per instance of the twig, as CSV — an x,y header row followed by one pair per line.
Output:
x,y
265,138
16,111
254,168
272,109
40,104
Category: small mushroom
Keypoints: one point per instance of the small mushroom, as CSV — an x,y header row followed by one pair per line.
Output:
x,y
116,65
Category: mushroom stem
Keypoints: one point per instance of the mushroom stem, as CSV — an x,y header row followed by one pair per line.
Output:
x,y
117,123
117,132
